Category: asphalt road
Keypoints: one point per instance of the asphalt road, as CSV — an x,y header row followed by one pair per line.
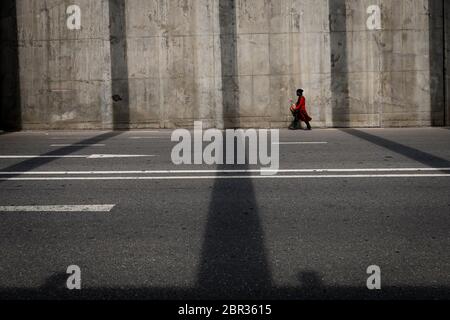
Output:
x,y
190,234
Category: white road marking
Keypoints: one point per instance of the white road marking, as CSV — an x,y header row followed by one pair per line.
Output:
x,y
231,177
106,156
77,145
87,156
300,142
139,138
147,131
425,169
32,156
77,138
59,208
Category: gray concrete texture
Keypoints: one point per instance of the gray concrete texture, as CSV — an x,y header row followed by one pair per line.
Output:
x,y
230,63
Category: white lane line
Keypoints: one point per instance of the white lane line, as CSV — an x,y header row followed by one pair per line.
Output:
x,y
59,208
107,156
87,156
140,138
77,145
59,139
33,156
300,142
232,177
221,171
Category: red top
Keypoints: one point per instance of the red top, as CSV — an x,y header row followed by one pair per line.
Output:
x,y
301,107
301,104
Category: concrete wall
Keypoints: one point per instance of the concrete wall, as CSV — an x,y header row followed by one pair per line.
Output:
x,y
65,76
388,77
230,63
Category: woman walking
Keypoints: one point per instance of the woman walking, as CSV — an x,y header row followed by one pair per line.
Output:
x,y
299,112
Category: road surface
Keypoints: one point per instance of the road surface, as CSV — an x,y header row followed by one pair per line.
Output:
x,y
140,227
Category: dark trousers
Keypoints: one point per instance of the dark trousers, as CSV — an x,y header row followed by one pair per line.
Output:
x,y
296,124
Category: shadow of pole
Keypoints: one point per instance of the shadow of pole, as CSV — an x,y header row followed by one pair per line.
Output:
x,y
233,261
10,109
340,103
119,65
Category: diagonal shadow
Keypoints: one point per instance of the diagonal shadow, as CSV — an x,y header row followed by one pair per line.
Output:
x,y
409,152
34,163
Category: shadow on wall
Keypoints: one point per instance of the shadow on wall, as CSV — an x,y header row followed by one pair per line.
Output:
x,y
436,57
119,65
340,103
447,61
10,109
229,59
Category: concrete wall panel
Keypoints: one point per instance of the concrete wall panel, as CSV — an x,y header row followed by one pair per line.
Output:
x,y
64,74
230,63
